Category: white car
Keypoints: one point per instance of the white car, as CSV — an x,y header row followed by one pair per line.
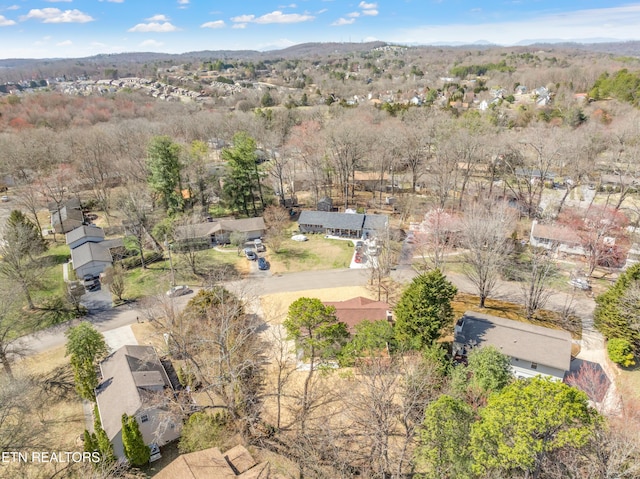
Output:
x,y
179,291
299,238
4,198
580,283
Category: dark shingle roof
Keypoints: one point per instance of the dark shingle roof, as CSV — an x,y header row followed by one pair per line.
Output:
x,y
88,252
329,219
376,222
550,347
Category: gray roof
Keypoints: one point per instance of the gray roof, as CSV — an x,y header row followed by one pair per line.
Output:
x,y
331,219
112,243
71,203
83,232
202,230
546,346
129,375
243,225
66,214
376,222
88,252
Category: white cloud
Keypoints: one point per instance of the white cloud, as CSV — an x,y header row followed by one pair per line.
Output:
x,y
239,26
216,24
58,1
154,27
65,43
243,18
112,1
5,22
183,2
14,7
370,13
55,15
274,17
320,12
157,18
353,14
279,17
616,23
151,43
343,21
368,6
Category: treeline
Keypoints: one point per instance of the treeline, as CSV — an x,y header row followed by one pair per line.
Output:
x,y
462,71
623,85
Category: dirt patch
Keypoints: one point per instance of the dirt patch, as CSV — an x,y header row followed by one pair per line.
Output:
x,y
275,306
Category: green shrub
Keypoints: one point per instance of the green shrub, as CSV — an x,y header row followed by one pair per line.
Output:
x,y
203,431
621,352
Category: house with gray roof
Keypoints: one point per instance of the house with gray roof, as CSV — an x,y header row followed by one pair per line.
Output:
x,y
533,350
66,219
84,234
134,382
346,225
219,231
90,259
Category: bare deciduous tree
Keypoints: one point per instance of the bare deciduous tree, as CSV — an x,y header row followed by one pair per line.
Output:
x,y
485,235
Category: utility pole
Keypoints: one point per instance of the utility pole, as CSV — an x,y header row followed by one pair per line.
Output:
x,y
173,274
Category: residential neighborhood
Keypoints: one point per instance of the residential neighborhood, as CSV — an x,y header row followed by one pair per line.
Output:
x,y
375,261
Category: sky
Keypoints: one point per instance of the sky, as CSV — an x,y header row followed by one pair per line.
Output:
x,y
80,28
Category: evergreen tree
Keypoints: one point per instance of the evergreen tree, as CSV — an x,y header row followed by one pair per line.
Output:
x,y
90,442
163,162
103,445
24,234
243,181
611,317
135,450
86,346
424,309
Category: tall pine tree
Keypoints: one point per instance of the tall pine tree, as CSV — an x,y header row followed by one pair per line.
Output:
x,y
135,450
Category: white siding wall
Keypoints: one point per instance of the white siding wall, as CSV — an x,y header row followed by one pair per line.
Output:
x,y
522,368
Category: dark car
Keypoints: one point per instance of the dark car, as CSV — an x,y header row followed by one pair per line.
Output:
x,y
90,280
251,255
262,264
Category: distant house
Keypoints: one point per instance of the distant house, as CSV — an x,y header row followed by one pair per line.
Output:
x,y
66,219
135,382
353,311
219,231
556,238
325,204
533,350
91,254
346,225
236,463
84,234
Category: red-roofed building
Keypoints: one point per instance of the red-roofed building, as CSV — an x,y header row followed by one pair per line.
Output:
x,y
353,311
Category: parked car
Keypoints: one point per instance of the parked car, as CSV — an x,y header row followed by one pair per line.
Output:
x,y
260,247
580,283
250,254
4,198
179,291
155,454
90,280
262,264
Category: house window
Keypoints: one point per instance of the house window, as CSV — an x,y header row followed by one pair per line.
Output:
x,y
144,418
534,365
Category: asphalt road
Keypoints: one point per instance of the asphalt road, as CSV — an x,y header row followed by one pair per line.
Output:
x,y
258,285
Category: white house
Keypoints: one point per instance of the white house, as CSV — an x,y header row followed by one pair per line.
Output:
x,y
533,350
90,259
84,234
555,238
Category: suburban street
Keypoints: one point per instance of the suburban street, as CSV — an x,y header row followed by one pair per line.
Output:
x,y
257,286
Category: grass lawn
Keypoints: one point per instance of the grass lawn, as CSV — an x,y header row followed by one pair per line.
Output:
x,y
502,309
62,417
316,254
51,279
629,381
